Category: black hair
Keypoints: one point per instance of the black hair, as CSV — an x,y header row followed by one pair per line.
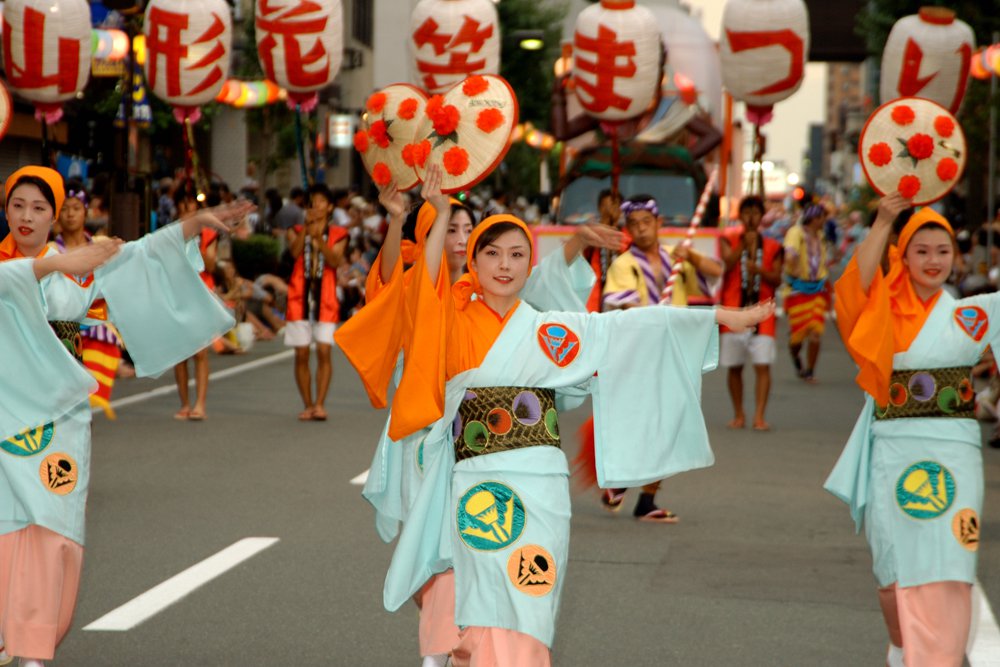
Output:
x,y
752,201
641,198
495,232
410,223
296,192
42,186
185,190
606,193
78,186
321,189
338,194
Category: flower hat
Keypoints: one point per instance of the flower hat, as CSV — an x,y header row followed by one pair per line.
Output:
x,y
387,132
467,130
913,146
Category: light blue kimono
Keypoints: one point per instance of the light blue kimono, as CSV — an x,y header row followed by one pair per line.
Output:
x,y
916,484
165,314
397,469
522,540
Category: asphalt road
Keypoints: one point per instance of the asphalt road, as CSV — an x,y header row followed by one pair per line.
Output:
x,y
763,569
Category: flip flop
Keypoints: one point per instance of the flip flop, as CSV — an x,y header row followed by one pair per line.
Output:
x,y
612,499
659,516
306,415
762,427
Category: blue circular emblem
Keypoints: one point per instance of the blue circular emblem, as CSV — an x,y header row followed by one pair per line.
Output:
x,y
29,442
490,516
925,490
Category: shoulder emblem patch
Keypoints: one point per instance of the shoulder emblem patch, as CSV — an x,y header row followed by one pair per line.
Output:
x,y
973,321
559,343
532,570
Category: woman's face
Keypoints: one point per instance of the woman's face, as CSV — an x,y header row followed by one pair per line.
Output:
x,y
30,217
456,239
929,257
503,265
73,215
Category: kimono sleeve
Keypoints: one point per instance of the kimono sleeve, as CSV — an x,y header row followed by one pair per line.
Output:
x,y
864,319
40,381
648,422
554,285
159,303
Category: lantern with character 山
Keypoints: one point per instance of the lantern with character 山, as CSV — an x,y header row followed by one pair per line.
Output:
x,y
453,39
616,59
928,55
46,49
764,45
301,45
188,44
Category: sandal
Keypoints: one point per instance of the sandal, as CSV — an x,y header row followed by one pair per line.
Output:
x,y
808,376
658,515
612,499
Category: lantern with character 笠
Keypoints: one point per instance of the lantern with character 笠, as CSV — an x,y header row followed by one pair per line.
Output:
x,y
451,40
46,49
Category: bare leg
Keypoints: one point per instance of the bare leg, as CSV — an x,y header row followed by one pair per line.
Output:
x,y
303,380
762,390
796,350
324,373
200,383
812,351
735,381
181,377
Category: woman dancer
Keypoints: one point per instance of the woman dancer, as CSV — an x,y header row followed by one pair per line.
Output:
x,y
163,312
482,374
808,300
912,469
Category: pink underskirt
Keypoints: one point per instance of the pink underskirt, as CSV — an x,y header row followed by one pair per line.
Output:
x,y
931,622
497,647
436,600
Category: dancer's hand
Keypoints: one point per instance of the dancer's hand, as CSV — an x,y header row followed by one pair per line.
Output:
x,y
224,218
741,319
78,261
889,208
431,191
592,236
392,200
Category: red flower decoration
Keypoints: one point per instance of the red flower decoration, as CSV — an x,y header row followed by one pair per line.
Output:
x,y
456,161
434,105
903,115
445,119
944,126
361,141
947,169
415,155
379,133
381,174
376,102
407,108
909,186
489,120
880,154
920,146
474,85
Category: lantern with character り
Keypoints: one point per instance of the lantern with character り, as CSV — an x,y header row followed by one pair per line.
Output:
x,y
616,59
929,55
764,47
301,46
46,49
451,40
188,43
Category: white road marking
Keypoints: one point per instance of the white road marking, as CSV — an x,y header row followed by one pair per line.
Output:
x,y
172,590
984,639
360,479
218,375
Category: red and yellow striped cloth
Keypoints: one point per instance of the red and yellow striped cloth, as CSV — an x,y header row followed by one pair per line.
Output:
x,y
101,359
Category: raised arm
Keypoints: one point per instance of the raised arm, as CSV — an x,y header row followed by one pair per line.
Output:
x,y
869,252
392,199
434,250
224,218
78,261
591,236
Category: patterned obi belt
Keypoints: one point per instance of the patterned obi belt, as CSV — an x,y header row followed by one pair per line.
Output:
x,y
68,334
935,392
498,419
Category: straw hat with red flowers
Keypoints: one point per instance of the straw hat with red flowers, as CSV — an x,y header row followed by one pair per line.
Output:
x,y
388,125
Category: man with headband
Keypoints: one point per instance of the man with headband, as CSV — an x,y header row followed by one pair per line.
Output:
x,y
638,277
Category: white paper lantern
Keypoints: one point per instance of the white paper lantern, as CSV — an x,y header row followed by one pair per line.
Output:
x,y
616,59
301,45
928,55
453,39
189,44
46,49
764,47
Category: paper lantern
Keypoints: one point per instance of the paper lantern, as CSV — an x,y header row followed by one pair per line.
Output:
x,y
301,45
188,44
453,39
46,50
692,55
616,59
928,55
764,45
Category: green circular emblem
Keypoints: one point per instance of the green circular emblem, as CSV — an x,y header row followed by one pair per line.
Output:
x,y
925,490
419,454
29,442
490,516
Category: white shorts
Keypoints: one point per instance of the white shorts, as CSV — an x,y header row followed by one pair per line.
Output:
x,y
301,333
735,347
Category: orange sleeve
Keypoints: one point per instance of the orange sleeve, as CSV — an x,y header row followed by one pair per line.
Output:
x,y
430,308
865,321
372,338
373,283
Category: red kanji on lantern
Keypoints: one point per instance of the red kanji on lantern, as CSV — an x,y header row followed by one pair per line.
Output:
x,y
189,44
616,59
453,39
300,43
46,50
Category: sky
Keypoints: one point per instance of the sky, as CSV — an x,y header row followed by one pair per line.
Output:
x,y
787,134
